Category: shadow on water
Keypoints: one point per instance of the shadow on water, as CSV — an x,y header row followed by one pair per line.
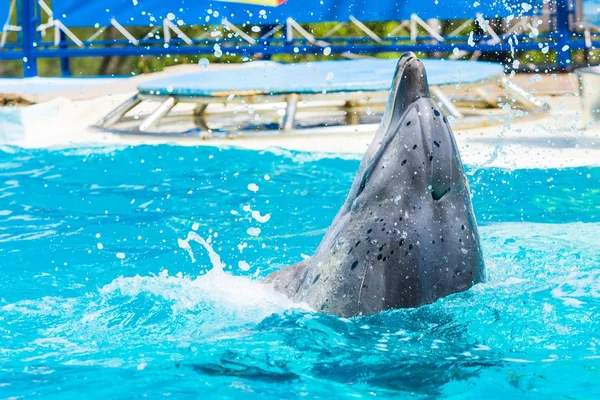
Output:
x,y
411,351
228,367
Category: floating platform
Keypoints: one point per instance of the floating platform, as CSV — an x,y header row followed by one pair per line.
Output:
x,y
315,97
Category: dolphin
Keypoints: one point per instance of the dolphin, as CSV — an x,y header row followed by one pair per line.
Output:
x,y
406,234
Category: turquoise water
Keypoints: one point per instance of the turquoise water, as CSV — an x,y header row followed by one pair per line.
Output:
x,y
99,297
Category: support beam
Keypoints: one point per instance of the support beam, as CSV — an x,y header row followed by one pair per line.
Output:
x,y
271,32
154,118
350,108
65,66
333,30
27,22
292,25
415,19
485,25
487,97
115,115
169,25
289,119
461,27
397,29
200,117
97,33
365,29
446,102
528,101
62,28
563,30
124,32
238,31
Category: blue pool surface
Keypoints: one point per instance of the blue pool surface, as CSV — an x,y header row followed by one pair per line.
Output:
x,y
99,299
314,77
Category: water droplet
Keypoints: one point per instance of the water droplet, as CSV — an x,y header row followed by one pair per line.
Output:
x,y
253,231
243,265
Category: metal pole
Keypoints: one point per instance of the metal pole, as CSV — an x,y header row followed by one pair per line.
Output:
x,y
563,30
65,68
28,22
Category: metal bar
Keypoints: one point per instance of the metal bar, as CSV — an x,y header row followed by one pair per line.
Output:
x,y
486,26
205,34
365,29
115,115
305,33
288,48
166,32
96,34
46,8
124,32
65,68
397,29
237,30
151,33
487,97
446,102
28,37
333,30
271,32
414,32
56,34
522,23
58,24
461,27
158,114
289,118
6,26
168,24
563,31
415,18
350,41
289,30
525,98
199,116
42,27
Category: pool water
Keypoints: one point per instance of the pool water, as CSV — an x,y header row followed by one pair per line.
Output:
x,y
100,297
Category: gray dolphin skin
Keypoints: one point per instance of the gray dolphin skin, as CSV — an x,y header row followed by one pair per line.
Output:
x,y
406,234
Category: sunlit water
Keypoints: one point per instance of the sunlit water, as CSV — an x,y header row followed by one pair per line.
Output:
x,y
100,297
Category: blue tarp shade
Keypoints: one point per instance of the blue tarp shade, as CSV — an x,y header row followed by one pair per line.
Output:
x,y
314,77
77,13
591,11
4,7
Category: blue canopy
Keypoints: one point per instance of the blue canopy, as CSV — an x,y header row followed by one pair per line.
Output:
x,y
77,13
4,7
313,77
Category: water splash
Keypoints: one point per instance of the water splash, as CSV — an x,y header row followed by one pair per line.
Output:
x,y
215,259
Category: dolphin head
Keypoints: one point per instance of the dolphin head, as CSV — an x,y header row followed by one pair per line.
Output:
x,y
411,205
406,234
415,151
